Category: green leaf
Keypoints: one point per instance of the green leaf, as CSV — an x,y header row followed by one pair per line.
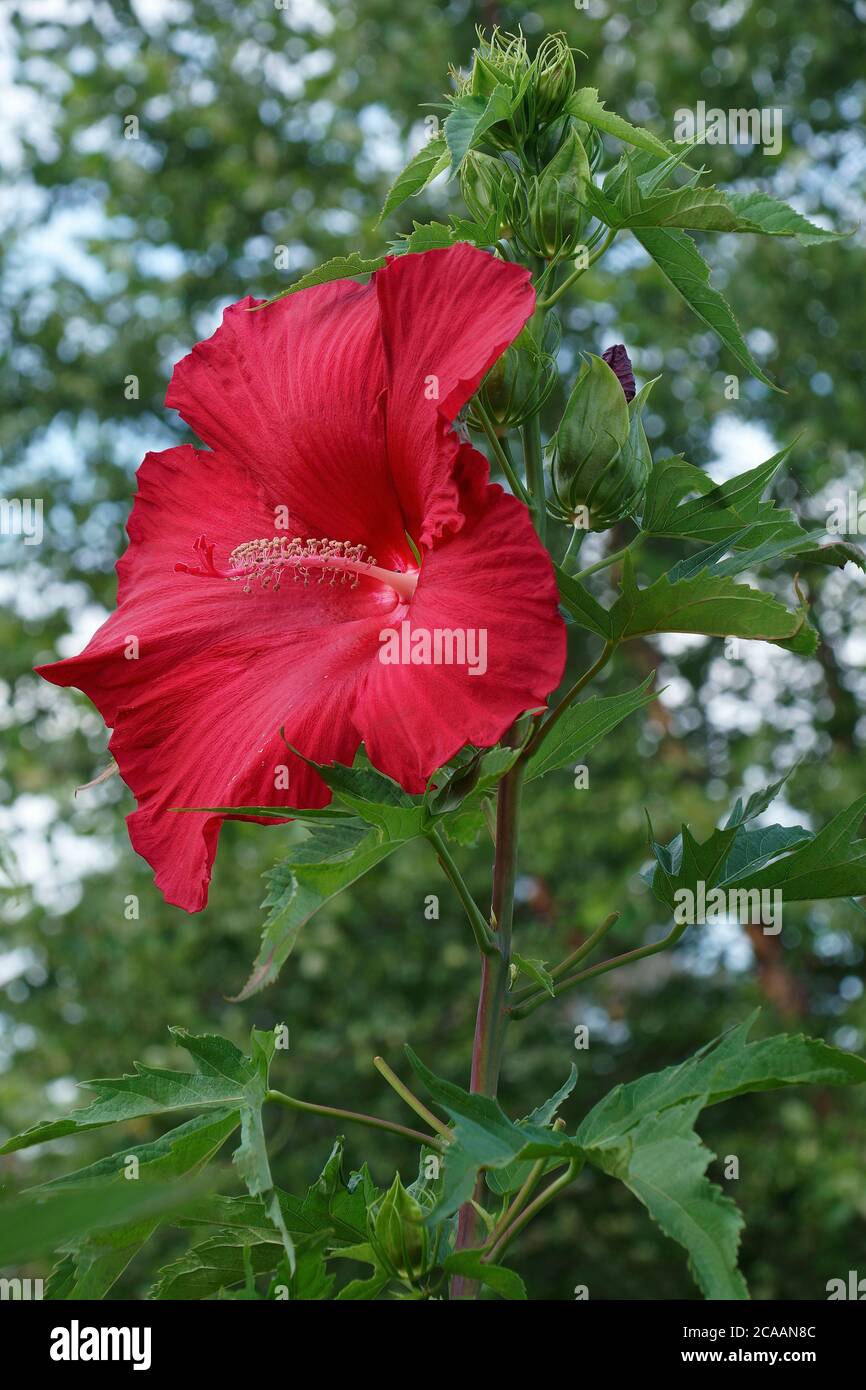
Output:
x,y
783,546
480,774
332,1203
586,106
436,236
679,260
484,1138
338,268
505,1282
752,849
663,1162
366,1289
586,611
377,799
332,858
432,159
762,213
95,1263
471,117
219,1083
731,511
310,1280
40,1221
536,970
728,1066
584,725
714,607
226,1082
512,1176
218,1263
685,862
832,864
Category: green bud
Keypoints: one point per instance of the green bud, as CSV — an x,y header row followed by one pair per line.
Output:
x,y
555,215
595,467
501,60
554,78
399,1232
521,380
487,185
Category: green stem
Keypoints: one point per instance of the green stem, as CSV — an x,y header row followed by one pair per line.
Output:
x,y
607,561
354,1117
575,275
552,1190
411,1099
574,959
492,1017
536,1173
534,464
480,928
498,452
529,1006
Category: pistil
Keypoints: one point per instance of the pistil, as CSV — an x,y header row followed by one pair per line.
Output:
x,y
266,561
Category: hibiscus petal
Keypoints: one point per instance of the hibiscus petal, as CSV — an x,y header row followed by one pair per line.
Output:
x,y
495,577
446,317
294,393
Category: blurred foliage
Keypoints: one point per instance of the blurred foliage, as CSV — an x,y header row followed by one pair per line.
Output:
x,y
264,127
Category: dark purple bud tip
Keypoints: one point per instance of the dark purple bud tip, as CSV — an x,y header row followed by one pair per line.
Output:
x,y
619,362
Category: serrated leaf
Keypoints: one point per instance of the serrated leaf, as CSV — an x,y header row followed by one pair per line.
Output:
x,y
218,1263
762,213
152,1091
471,117
831,864
436,236
586,106
707,605
728,1066
584,725
228,1086
40,1221
484,1139
679,260
682,501
663,1162
315,871
752,849
432,159
474,778
377,799
512,1176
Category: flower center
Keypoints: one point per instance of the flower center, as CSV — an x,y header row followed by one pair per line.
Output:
x,y
266,561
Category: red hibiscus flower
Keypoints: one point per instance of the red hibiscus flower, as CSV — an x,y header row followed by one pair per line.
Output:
x,y
262,572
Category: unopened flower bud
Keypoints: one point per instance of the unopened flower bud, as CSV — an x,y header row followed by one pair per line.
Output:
x,y
487,185
554,214
521,380
554,78
592,468
399,1231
